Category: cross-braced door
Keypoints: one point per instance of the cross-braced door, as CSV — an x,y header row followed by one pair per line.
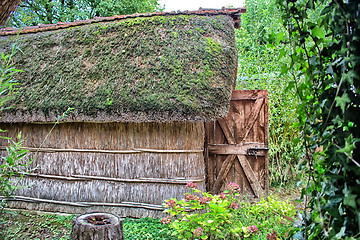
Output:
x,y
237,146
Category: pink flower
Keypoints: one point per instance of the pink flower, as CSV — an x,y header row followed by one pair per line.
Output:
x,y
192,185
204,200
190,197
233,187
253,229
166,220
170,203
222,195
198,232
272,236
233,205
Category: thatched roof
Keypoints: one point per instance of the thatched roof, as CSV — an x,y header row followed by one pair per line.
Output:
x,y
149,67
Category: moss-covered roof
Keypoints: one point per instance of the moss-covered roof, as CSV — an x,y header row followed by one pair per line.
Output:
x,y
158,68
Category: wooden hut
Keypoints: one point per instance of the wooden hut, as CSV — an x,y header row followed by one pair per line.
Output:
x,y
141,86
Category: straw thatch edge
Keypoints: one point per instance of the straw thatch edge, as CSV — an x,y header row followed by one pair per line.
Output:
x,y
102,117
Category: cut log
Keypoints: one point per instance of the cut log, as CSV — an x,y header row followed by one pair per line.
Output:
x,y
97,226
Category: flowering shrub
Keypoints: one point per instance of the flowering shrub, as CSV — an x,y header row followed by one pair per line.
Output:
x,y
201,215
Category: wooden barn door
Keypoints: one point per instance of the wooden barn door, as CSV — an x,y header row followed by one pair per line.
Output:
x,y
236,148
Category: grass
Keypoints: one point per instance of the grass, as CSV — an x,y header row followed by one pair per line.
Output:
x,y
16,225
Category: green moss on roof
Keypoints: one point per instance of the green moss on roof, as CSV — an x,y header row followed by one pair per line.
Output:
x,y
162,68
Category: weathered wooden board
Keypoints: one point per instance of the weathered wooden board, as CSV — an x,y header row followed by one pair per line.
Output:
x,y
236,146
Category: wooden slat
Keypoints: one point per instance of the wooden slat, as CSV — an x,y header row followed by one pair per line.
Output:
x,y
250,175
266,140
252,118
221,139
223,173
209,160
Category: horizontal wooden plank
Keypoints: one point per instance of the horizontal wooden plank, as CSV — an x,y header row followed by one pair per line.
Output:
x,y
130,151
87,204
240,149
248,94
99,178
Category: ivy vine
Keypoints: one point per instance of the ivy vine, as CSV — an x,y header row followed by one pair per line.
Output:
x,y
324,38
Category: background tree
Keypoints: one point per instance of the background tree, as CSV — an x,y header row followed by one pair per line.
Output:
x,y
324,38
33,12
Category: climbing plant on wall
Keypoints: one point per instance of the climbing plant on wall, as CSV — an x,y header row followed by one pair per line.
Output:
x,y
324,37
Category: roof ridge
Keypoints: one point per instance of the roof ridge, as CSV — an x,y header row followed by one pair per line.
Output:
x,y
233,12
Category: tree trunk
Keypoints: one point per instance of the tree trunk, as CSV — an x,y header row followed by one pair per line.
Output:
x,y
6,8
97,226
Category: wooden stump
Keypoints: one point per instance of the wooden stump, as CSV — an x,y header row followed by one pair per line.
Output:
x,y
97,226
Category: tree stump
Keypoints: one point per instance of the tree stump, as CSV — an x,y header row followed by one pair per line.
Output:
x,y
97,226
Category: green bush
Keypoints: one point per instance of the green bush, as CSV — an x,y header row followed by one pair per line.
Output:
x,y
201,215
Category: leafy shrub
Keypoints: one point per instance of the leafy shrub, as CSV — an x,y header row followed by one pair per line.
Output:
x,y
201,215
12,168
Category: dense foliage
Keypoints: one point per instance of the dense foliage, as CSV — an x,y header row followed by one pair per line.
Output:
x,y
324,37
33,12
259,68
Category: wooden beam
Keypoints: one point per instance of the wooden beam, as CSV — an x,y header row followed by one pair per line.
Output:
x,y
225,167
226,130
254,182
241,149
246,95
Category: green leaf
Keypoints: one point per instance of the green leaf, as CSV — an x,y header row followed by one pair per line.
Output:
x,y
340,234
317,32
280,37
349,198
342,101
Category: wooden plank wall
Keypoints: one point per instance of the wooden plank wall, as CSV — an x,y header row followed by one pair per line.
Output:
x,y
110,163
247,126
